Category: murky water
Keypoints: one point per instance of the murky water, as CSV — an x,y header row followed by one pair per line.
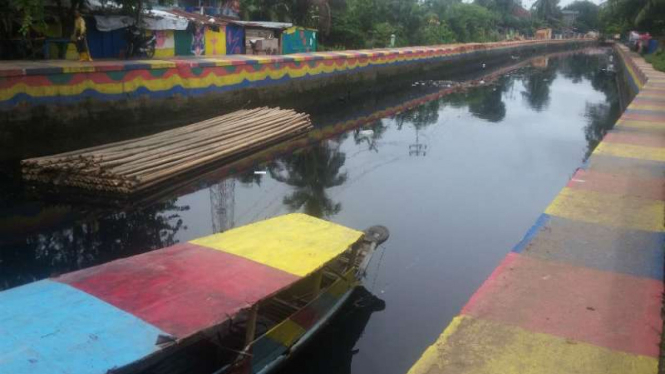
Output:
x,y
458,179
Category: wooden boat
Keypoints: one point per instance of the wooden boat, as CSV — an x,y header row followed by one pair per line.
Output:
x,y
242,301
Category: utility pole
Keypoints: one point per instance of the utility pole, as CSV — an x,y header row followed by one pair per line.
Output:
x,y
417,149
222,205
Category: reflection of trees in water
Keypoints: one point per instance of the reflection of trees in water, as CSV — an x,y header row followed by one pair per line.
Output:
x,y
487,102
601,117
311,172
421,116
249,178
581,66
91,242
537,86
334,347
377,128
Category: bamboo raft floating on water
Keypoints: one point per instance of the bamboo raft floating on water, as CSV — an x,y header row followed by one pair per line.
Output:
x,y
133,165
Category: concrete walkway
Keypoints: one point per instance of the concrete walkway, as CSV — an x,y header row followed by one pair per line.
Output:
x,y
582,293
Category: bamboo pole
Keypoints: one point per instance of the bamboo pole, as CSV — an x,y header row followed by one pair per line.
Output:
x,y
137,164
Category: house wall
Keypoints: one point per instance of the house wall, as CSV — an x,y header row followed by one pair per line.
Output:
x,y
215,42
298,40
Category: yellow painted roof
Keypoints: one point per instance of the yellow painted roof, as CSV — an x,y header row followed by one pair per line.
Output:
x,y
296,243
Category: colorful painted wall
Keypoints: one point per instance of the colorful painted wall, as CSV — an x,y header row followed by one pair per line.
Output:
x,y
298,40
54,83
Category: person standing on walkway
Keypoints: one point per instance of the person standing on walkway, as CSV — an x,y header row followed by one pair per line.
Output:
x,y
79,37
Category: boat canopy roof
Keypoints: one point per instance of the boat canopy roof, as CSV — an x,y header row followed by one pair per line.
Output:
x,y
113,315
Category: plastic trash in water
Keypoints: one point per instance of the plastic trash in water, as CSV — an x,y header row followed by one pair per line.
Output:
x,y
367,133
261,172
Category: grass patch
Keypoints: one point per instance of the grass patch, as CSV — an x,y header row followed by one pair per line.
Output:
x,y
657,60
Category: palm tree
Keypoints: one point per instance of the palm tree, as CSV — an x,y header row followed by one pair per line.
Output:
x,y
311,172
646,9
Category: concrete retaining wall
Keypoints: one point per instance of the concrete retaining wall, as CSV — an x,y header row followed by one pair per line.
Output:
x,y
37,90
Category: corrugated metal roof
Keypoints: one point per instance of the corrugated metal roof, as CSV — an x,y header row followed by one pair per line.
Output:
x,y
264,24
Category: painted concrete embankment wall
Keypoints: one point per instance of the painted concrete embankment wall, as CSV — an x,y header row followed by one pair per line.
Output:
x,y
582,292
41,90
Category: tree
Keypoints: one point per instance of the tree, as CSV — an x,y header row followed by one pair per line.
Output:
x,y
587,17
471,23
547,10
25,14
620,16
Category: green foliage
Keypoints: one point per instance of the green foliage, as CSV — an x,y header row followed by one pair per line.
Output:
x,y
436,32
471,22
588,15
620,16
30,13
548,11
371,23
657,60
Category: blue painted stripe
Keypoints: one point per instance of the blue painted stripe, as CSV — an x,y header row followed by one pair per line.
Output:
x,y
52,328
265,351
179,90
22,98
633,252
540,222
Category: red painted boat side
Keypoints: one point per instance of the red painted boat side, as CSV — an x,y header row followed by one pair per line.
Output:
x,y
181,289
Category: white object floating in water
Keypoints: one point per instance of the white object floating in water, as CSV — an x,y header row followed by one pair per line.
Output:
x,y
483,66
260,172
366,132
482,82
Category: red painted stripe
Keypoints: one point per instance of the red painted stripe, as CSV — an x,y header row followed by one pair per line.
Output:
x,y
644,117
644,140
181,289
649,100
611,310
653,188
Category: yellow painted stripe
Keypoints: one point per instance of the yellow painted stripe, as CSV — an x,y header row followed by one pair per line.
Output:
x,y
286,333
296,243
630,151
475,346
609,209
642,125
652,108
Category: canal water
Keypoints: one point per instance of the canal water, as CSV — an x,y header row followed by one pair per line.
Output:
x,y
457,177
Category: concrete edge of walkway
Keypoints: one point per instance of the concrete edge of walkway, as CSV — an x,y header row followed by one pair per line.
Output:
x,y
582,292
48,67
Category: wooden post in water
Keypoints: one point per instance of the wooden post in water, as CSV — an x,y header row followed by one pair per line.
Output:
x,y
251,325
316,279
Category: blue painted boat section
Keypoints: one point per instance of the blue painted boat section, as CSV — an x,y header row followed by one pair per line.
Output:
x,y
48,327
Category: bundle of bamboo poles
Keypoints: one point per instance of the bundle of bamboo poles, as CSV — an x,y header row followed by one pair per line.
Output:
x,y
133,165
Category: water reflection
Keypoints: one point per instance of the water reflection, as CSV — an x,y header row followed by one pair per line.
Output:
x,y
488,104
90,241
311,172
495,153
537,86
335,348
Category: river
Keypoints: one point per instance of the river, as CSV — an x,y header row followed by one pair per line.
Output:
x,y
458,178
